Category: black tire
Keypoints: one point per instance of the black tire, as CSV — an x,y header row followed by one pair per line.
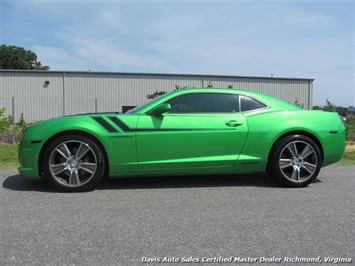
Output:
x,y
74,163
295,161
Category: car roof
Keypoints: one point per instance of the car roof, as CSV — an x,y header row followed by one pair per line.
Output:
x,y
220,90
274,103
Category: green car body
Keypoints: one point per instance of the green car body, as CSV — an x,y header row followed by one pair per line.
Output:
x,y
186,132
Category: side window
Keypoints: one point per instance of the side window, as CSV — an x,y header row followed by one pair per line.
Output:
x,y
204,103
248,104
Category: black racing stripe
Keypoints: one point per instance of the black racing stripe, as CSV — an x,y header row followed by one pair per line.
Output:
x,y
183,129
120,124
106,125
125,128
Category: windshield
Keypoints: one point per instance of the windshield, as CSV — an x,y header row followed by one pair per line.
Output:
x,y
137,108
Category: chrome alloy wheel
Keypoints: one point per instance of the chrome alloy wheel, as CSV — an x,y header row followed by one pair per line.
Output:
x,y
73,163
298,161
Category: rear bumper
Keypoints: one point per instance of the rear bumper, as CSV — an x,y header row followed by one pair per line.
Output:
x,y
334,147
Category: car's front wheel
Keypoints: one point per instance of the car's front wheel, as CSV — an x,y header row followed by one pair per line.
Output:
x,y
295,161
74,163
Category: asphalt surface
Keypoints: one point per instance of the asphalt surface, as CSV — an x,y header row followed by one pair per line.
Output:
x,y
184,220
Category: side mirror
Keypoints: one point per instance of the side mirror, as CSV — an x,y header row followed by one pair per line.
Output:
x,y
159,110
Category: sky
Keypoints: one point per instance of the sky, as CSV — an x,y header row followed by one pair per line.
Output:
x,y
284,38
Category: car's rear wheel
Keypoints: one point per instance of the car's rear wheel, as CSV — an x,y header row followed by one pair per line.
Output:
x,y
74,163
295,161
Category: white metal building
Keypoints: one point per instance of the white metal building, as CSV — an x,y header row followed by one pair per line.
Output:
x,y
41,95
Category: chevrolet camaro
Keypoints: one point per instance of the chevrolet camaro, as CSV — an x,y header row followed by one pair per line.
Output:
x,y
193,131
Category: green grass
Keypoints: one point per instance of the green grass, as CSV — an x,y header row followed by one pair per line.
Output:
x,y
348,159
9,157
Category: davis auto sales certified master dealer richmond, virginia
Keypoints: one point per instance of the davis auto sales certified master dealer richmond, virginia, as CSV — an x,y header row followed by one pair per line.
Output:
x,y
238,259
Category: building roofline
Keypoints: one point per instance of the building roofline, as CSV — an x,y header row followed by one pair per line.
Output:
x,y
149,74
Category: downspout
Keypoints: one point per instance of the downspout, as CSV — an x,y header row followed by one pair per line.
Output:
x,y
310,95
63,94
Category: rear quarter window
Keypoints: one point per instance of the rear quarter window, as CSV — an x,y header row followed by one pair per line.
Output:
x,y
248,104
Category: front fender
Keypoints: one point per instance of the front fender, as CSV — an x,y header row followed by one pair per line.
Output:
x,y
37,137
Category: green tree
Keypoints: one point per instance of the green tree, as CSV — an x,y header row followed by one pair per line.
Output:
x,y
155,94
350,127
21,124
3,120
317,107
350,119
329,107
210,85
178,87
297,103
14,57
159,93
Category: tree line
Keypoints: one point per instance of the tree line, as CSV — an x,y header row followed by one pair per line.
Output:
x,y
14,57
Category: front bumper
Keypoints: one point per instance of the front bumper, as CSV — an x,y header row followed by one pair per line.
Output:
x,y
28,158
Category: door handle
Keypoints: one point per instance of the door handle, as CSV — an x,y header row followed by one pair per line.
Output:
x,y
233,123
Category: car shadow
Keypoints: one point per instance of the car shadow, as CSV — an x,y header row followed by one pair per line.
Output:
x,y
256,180
19,183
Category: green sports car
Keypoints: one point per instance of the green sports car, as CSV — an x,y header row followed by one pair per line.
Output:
x,y
185,132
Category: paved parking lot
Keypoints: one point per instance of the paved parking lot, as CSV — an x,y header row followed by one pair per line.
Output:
x,y
184,220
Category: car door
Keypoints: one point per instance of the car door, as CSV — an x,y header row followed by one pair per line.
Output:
x,y
202,130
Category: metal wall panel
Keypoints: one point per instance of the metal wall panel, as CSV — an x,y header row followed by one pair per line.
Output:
x,y
32,97
84,92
